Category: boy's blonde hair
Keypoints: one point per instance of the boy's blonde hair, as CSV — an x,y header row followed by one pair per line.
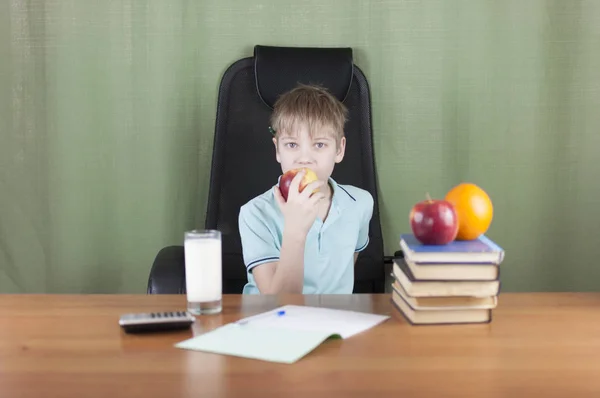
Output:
x,y
311,105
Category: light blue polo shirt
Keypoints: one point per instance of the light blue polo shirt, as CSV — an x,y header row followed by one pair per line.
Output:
x,y
330,246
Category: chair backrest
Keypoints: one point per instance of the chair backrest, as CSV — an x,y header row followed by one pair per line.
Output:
x,y
244,165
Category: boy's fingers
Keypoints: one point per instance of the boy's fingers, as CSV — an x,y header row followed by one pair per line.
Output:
x,y
316,197
310,188
295,184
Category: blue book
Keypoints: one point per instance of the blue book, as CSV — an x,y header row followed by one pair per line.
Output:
x,y
477,251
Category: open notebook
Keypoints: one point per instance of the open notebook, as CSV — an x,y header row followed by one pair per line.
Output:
x,y
284,334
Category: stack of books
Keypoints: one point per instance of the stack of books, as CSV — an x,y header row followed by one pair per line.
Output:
x,y
446,284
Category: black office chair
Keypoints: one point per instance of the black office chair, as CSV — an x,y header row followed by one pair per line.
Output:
x,y
244,165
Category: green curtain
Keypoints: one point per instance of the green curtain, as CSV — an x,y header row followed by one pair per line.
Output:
x,y
107,112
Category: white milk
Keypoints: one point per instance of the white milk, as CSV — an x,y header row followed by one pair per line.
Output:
x,y
203,270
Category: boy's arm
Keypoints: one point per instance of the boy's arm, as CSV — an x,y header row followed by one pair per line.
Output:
x,y
281,271
287,274
363,233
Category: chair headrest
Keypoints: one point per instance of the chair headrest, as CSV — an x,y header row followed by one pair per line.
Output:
x,y
280,69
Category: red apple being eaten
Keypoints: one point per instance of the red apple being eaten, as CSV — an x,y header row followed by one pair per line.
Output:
x,y
288,176
434,222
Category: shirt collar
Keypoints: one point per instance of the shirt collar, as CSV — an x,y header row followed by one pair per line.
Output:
x,y
340,197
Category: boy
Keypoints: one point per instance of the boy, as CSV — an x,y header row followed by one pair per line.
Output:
x,y
309,243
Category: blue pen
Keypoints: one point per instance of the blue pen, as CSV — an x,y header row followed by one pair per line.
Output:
x,y
246,321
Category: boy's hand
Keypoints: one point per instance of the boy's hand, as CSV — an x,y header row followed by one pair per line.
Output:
x,y
301,208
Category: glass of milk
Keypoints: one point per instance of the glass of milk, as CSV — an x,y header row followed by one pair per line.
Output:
x,y
203,271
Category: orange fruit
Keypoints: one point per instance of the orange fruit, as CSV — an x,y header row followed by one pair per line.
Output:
x,y
474,210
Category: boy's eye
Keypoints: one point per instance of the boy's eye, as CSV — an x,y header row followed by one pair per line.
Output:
x,y
291,145
320,145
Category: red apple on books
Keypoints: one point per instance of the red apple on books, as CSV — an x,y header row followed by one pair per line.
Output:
x,y
288,176
434,222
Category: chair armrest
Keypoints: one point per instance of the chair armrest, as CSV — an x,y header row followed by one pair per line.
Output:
x,y
167,275
390,259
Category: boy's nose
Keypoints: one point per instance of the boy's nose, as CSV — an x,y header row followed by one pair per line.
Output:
x,y
305,158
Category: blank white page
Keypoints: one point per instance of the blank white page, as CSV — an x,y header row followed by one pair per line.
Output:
x,y
344,323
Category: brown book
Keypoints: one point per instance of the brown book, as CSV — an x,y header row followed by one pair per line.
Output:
x,y
441,288
439,316
453,271
446,303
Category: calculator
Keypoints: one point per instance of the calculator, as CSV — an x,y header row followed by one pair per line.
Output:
x,y
156,321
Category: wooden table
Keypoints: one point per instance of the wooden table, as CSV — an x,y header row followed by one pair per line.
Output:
x,y
538,345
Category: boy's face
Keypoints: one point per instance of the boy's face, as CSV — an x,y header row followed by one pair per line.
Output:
x,y
319,153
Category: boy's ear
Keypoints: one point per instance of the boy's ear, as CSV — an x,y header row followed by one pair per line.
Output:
x,y
276,150
341,150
